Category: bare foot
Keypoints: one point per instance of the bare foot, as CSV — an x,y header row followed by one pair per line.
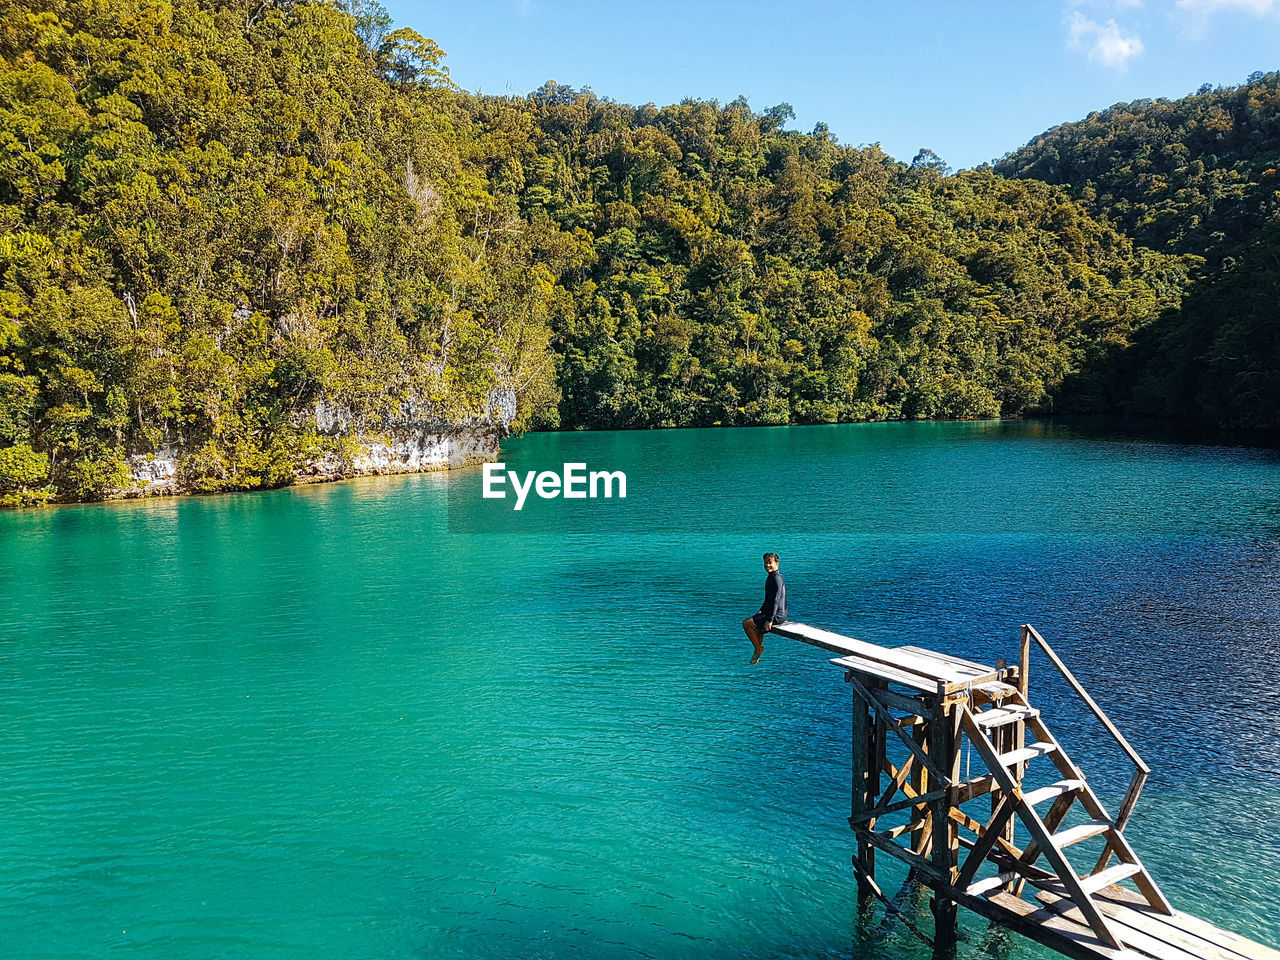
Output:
x,y
759,651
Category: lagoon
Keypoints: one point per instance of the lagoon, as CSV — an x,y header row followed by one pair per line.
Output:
x,y
374,719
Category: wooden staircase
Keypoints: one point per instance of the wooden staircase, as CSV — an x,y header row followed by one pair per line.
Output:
x,y
919,717
1050,840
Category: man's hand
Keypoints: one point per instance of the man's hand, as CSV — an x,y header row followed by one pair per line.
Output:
x,y
768,625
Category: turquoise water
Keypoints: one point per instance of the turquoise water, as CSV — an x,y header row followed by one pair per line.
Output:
x,y
316,722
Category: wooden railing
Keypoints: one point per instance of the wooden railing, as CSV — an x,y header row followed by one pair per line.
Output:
x,y
1141,772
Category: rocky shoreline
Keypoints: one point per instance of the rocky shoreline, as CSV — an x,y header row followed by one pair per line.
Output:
x,y
399,451
409,440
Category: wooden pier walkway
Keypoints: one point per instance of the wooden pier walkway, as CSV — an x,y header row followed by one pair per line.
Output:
x,y
950,756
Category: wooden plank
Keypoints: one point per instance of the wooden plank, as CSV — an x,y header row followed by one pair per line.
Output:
x,y
1080,832
999,716
1044,926
896,779
922,865
901,805
912,706
993,831
944,751
1024,661
972,789
1155,926
1052,792
876,762
891,907
865,856
990,883
919,785
915,823
1228,939
882,672
948,658
1141,918
927,667
1121,871
1138,940
1007,760
995,690
972,825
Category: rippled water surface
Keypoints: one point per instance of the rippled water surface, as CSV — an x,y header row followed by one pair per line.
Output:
x,y
321,722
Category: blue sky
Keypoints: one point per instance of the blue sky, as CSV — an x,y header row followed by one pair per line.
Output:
x,y
971,81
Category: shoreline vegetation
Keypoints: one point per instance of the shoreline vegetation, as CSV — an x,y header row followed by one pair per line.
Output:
x,y
243,246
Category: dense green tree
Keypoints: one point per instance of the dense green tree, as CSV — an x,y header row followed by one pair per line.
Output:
x,y
1196,176
743,273
214,217
218,221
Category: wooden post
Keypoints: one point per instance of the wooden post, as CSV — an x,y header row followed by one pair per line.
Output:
x,y
863,731
1024,661
876,737
944,855
920,783
1024,688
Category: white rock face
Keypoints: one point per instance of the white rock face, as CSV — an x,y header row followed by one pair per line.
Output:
x,y
156,474
405,442
408,451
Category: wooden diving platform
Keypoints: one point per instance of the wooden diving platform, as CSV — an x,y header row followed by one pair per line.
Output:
x,y
1006,840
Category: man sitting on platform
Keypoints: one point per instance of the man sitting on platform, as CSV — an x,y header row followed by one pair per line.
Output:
x,y
772,611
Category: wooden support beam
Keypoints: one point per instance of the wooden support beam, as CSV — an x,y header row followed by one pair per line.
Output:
x,y
1126,811
886,719
922,865
1036,827
891,908
908,803
919,786
992,832
972,789
862,728
1024,661
944,753
896,779
973,826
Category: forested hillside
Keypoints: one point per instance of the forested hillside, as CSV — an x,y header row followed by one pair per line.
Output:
x,y
1198,176
216,216
718,268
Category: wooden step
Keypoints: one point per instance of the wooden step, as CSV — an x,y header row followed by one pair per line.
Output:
x,y
999,716
995,690
1014,757
1121,871
990,883
1083,831
1052,791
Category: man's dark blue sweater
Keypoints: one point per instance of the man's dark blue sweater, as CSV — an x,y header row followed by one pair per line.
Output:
x,y
774,607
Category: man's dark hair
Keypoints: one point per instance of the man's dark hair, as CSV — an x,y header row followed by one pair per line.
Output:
x,y
773,557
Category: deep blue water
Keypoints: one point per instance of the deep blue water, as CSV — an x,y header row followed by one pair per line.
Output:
x,y
325,722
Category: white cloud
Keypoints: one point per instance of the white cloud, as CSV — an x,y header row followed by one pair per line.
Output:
x,y
1206,7
1106,4
1196,14
1104,41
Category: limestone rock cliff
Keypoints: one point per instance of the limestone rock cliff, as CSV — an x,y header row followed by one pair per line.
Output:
x,y
406,440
